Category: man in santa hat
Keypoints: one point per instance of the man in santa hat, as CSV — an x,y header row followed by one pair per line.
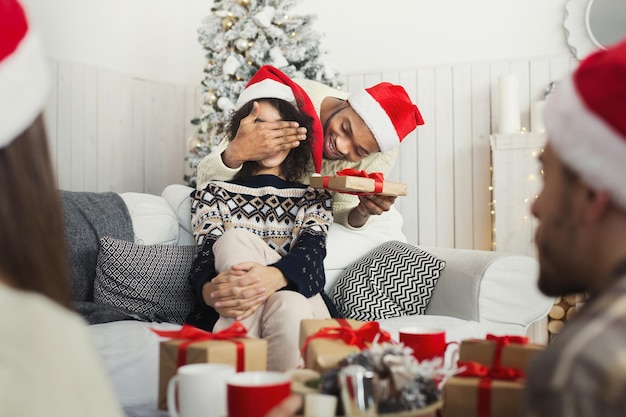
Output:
x,y
581,241
361,130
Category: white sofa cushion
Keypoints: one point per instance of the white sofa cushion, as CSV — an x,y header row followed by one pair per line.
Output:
x,y
344,245
147,211
498,289
130,352
178,198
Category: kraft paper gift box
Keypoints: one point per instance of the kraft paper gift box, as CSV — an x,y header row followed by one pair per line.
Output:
x,y
512,355
498,393
358,183
243,353
462,398
322,341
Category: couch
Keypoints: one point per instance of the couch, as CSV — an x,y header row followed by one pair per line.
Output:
x,y
477,292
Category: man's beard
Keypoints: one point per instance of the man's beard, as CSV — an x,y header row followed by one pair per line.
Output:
x,y
559,282
559,273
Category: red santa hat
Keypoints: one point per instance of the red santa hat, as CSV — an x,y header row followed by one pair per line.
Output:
x,y
388,112
270,82
24,81
585,120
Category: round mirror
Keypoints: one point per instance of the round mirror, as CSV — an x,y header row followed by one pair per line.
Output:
x,y
593,24
606,21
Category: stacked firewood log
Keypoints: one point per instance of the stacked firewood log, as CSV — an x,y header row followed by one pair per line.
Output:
x,y
563,310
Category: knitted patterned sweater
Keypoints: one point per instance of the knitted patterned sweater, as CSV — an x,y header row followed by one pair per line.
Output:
x,y
292,218
212,166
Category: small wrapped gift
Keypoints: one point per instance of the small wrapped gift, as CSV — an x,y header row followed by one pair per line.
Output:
x,y
493,380
352,181
463,397
509,351
324,343
193,345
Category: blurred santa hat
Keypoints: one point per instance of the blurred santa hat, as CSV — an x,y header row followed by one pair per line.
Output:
x,y
270,82
585,120
388,112
24,77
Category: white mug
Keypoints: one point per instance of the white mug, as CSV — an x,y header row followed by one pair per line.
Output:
x,y
320,405
200,389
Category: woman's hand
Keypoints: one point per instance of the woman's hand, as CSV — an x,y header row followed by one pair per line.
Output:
x,y
239,291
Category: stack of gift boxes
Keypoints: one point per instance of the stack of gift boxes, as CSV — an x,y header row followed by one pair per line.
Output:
x,y
491,382
324,343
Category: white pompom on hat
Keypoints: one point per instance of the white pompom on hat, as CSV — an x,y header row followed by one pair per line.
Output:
x,y
24,75
585,120
388,112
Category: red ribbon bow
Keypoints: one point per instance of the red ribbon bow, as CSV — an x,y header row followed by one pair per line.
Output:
x,y
378,178
496,371
350,336
192,334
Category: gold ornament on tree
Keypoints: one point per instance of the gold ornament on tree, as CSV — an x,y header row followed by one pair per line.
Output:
x,y
210,97
244,3
194,144
228,21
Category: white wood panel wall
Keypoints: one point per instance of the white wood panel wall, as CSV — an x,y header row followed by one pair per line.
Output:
x,y
114,132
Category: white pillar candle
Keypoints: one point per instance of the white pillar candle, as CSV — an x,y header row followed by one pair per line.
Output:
x,y
509,110
536,117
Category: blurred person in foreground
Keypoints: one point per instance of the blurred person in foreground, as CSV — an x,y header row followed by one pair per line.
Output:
x,y
581,241
48,364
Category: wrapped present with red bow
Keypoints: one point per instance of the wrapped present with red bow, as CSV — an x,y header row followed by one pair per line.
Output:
x,y
493,377
324,343
353,181
193,345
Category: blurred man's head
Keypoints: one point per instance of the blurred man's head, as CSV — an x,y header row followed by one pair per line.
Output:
x,y
584,167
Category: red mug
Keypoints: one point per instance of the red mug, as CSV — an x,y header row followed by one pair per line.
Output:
x,y
254,393
426,343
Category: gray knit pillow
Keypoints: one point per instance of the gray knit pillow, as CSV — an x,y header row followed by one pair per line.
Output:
x,y
146,279
395,279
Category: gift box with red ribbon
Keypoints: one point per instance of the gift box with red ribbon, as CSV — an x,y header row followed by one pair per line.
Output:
x,y
353,181
493,379
193,345
324,343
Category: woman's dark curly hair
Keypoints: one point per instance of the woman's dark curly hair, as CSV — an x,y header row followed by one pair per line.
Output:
x,y
297,164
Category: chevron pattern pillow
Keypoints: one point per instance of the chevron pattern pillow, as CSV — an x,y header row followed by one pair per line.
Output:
x,y
151,280
395,279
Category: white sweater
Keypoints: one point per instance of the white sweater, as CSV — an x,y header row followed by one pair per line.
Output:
x,y
48,362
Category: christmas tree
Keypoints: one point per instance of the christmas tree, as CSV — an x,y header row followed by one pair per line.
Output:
x,y
240,36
